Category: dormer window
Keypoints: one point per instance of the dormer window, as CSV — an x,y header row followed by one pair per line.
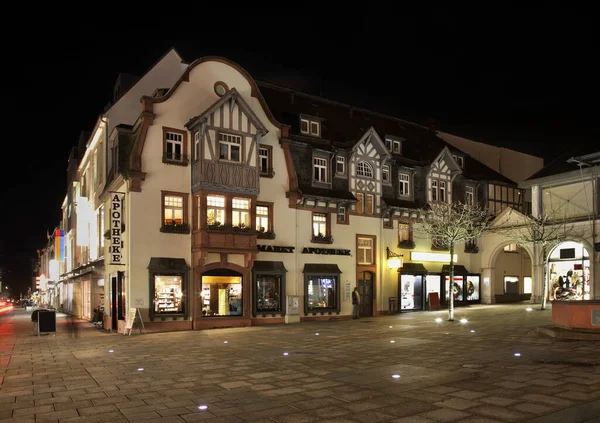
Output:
x,y
340,165
394,146
310,127
364,169
385,173
460,161
320,169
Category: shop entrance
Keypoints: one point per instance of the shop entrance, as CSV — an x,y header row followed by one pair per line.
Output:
x,y
365,289
221,294
411,292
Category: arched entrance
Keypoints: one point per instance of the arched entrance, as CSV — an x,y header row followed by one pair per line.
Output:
x,y
365,289
568,270
510,275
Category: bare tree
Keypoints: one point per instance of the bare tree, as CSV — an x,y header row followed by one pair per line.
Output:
x,y
450,224
542,232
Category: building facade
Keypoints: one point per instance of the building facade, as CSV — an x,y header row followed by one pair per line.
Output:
x,y
215,200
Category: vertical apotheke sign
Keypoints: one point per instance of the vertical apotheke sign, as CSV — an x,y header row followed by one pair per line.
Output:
x,y
116,220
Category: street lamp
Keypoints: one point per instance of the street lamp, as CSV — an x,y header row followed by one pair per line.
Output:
x,y
394,259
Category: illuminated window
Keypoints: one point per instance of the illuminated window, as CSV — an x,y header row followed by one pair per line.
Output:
x,y
240,212
319,224
221,296
364,250
404,233
168,294
262,218
173,210
215,210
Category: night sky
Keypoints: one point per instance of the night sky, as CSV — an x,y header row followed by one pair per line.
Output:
x,y
525,79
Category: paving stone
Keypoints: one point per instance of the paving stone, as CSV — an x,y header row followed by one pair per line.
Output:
x,y
55,415
445,414
457,403
529,407
501,413
413,419
499,401
467,394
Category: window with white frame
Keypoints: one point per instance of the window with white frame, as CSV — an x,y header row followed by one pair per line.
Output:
x,y
320,169
365,250
340,165
310,127
434,190
469,195
438,190
442,191
262,218
341,214
385,173
404,184
230,147
263,156
215,210
364,169
319,224
197,145
240,212
461,161
174,146
396,147
388,144
404,233
173,207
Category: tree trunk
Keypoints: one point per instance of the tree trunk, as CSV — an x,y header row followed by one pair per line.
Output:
x,y
545,276
451,286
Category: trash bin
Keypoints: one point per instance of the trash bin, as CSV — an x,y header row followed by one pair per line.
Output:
x,y
392,305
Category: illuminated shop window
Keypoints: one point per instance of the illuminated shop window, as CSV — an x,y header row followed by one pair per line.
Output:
x,y
221,296
168,294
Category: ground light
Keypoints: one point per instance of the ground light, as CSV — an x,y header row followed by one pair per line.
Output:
x,y
391,327
464,320
472,331
226,342
316,333
396,376
439,320
203,407
111,351
286,353
392,342
528,309
141,369
517,354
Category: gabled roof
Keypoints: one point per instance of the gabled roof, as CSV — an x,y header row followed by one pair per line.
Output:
x,y
343,125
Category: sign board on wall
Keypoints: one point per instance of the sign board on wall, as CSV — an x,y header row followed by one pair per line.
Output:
x,y
116,220
347,291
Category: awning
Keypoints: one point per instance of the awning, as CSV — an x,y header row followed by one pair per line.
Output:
x,y
412,268
322,269
168,265
459,269
269,266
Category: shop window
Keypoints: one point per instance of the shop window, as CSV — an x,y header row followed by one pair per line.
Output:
x,y
527,284
168,295
322,292
221,296
174,146
215,210
411,292
240,212
457,288
174,212
365,250
511,285
269,287
473,288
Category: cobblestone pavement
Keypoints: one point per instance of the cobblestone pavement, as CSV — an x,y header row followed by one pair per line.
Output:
x,y
334,371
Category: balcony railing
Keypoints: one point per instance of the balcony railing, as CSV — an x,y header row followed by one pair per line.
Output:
x,y
322,239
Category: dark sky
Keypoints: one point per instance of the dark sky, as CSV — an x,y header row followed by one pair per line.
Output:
x,y
525,78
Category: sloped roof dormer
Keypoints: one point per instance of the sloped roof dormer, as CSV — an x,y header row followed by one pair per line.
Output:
x,y
372,137
229,101
445,163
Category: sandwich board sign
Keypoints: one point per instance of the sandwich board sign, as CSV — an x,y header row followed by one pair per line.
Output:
x,y
134,317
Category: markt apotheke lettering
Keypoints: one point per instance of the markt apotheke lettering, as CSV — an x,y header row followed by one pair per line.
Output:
x,y
116,218
305,250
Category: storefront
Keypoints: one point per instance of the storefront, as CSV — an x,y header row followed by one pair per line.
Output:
x,y
466,286
321,289
268,295
569,272
412,284
222,294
